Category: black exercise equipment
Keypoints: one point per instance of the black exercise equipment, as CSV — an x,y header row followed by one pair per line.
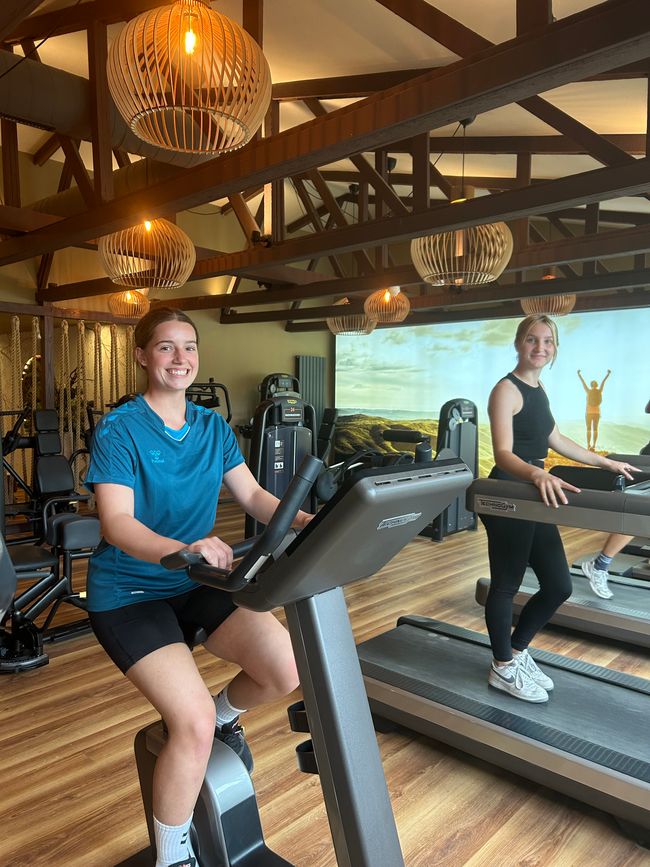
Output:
x,y
457,435
282,432
588,741
364,525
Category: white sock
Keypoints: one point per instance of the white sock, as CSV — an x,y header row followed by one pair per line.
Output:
x,y
172,842
226,712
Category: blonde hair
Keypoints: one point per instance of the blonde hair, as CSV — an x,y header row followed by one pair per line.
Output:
x,y
527,324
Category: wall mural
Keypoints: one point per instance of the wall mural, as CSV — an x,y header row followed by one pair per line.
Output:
x,y
598,387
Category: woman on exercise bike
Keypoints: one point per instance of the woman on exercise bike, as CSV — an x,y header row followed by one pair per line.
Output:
x,y
157,465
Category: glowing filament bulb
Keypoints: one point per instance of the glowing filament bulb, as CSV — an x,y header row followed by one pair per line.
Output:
x,y
459,243
190,41
147,225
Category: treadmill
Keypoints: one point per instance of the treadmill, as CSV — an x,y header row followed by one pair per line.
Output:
x,y
625,617
589,741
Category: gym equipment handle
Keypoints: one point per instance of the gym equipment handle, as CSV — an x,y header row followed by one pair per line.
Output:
x,y
267,542
395,435
184,558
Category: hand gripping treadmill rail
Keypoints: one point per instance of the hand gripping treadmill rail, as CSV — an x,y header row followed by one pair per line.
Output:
x,y
589,741
625,617
367,522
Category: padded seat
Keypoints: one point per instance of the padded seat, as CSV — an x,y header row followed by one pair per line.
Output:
x,y
71,532
30,558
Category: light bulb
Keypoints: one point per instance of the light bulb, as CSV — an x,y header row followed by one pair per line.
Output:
x,y
147,225
387,296
190,41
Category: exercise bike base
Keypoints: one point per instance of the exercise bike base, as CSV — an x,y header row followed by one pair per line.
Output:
x,y
226,829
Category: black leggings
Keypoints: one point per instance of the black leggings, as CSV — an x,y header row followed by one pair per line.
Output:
x,y
513,545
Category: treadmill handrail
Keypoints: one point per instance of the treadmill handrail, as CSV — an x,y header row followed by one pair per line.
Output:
x,y
625,511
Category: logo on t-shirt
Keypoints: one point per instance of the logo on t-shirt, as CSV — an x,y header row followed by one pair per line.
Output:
x,y
156,456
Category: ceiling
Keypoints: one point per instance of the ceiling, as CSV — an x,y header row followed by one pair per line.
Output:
x,y
588,123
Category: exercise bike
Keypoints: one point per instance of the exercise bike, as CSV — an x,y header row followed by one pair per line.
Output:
x,y
374,514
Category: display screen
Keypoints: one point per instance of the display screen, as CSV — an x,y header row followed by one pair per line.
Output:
x,y
405,375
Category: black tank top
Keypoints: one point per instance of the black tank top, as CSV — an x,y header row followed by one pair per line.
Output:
x,y
533,424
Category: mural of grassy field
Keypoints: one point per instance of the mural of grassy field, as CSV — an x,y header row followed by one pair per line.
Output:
x,y
359,431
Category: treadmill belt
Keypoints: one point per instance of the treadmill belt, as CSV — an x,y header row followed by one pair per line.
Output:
x,y
598,714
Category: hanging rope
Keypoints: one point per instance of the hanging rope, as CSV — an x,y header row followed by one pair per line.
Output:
x,y
115,378
80,403
16,383
36,345
98,393
129,385
65,401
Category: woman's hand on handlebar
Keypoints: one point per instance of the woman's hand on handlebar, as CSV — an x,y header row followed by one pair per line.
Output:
x,y
301,520
621,467
214,551
551,488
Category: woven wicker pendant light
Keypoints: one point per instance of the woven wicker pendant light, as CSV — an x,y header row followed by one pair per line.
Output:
x,y
552,305
387,305
189,79
464,257
350,324
130,303
155,254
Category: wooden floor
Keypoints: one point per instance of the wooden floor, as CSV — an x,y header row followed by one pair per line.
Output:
x,y
69,793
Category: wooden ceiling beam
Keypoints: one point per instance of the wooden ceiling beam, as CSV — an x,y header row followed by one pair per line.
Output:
x,y
355,86
597,185
382,188
631,143
538,238
100,111
45,265
47,150
400,276
74,18
603,245
12,14
79,170
508,310
532,14
490,294
338,217
19,220
313,215
465,42
609,34
10,165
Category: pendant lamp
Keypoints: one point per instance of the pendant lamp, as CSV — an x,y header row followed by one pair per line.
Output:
x,y
552,305
350,324
189,79
387,305
130,303
463,257
154,254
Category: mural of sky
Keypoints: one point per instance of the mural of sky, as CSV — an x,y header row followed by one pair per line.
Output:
x,y
411,372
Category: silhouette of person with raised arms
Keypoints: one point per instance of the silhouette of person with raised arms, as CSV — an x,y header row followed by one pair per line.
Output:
x,y
592,415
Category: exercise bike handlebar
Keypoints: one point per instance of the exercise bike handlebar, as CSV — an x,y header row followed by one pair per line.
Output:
x,y
256,551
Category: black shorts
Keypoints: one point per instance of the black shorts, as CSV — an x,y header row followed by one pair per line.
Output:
x,y
130,633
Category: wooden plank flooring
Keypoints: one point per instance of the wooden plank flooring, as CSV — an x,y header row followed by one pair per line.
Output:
x,y
69,793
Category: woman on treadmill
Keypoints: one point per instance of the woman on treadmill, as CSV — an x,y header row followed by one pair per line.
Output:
x,y
157,465
523,429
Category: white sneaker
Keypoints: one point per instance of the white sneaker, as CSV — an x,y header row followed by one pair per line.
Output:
x,y
516,681
597,579
526,661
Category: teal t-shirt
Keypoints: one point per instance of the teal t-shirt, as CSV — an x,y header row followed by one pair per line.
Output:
x,y
176,485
